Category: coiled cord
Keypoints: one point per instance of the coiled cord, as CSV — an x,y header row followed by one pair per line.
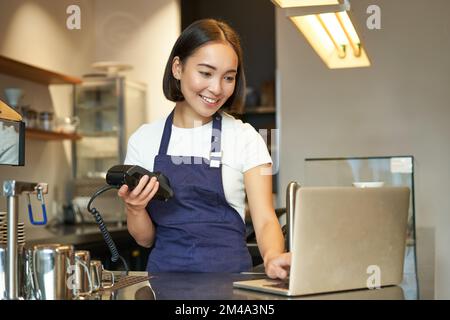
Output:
x,y
101,224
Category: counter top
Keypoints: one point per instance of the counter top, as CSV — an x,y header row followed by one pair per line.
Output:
x,y
72,234
191,286
81,234
219,286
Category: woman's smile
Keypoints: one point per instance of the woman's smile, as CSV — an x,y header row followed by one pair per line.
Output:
x,y
210,102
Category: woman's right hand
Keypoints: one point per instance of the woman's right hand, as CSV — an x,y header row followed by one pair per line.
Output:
x,y
139,197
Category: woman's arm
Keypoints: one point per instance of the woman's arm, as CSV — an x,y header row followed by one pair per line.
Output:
x,y
139,223
258,185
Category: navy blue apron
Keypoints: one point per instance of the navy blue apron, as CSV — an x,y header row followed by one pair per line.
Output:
x,y
197,230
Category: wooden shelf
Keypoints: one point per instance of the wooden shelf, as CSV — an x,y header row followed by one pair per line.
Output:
x,y
28,72
81,107
100,134
37,134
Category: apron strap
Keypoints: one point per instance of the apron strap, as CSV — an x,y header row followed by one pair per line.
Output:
x,y
164,145
215,150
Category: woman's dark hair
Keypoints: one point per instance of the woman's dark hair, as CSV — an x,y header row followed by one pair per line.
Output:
x,y
195,35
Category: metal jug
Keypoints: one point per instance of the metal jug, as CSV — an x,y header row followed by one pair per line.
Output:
x,y
49,267
97,271
83,282
21,277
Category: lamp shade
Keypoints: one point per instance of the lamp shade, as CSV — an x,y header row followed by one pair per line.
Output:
x,y
303,3
329,30
334,39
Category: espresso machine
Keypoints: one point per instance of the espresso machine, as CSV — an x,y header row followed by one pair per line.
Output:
x,y
12,140
56,271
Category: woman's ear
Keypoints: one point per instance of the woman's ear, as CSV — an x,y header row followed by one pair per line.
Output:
x,y
176,68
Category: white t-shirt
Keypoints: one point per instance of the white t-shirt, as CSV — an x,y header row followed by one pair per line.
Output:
x,y
243,148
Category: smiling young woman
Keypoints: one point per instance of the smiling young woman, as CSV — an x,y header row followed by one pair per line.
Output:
x,y
202,229
207,78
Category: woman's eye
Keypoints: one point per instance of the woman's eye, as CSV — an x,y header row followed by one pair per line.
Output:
x,y
205,74
230,79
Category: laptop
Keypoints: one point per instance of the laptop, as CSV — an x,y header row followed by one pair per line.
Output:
x,y
345,238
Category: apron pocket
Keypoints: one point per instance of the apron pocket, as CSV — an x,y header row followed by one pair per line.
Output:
x,y
203,195
204,205
191,205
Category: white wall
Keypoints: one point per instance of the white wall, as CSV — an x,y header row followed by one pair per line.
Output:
x,y
140,33
398,106
35,32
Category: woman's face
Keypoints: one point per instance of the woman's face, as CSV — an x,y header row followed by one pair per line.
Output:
x,y
207,77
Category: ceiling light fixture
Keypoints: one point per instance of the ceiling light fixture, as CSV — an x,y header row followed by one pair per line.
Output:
x,y
327,26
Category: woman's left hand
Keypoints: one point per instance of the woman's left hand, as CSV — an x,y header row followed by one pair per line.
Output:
x,y
278,266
